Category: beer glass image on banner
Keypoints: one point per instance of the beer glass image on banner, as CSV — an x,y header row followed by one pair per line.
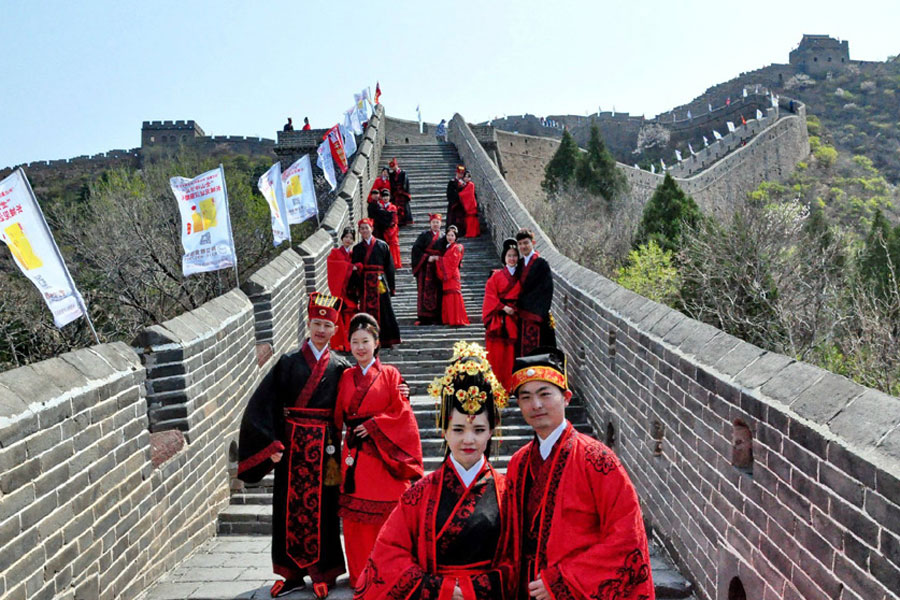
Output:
x,y
14,236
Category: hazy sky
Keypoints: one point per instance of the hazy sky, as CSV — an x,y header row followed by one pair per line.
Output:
x,y
80,77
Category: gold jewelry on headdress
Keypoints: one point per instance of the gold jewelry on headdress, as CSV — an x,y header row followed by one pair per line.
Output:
x,y
472,398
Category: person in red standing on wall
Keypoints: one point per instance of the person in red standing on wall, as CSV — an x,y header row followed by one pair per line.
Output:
x,y
469,204
306,126
498,313
382,453
453,308
383,181
400,192
340,268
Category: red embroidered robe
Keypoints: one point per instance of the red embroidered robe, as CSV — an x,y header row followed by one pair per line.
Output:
x,y
453,309
470,206
384,463
340,268
441,535
500,329
586,536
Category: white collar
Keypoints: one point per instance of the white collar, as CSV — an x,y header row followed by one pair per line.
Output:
x,y
512,270
546,446
369,241
365,369
348,250
528,258
316,352
467,475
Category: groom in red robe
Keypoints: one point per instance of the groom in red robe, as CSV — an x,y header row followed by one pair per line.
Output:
x,y
578,521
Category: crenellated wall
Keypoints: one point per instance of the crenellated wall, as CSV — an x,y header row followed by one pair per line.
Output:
x,y
116,460
817,513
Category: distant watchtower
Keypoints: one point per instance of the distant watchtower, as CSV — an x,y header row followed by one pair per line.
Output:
x,y
168,134
819,54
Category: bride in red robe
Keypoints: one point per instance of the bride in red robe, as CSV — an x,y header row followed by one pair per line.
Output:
x,y
382,452
451,534
470,206
453,309
340,267
498,313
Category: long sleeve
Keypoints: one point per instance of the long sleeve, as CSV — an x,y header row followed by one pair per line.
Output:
x,y
395,432
389,270
537,293
261,428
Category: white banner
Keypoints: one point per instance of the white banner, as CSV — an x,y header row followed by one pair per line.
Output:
x,y
300,191
730,126
23,228
270,186
326,163
205,222
361,112
678,155
759,115
348,138
355,124
717,135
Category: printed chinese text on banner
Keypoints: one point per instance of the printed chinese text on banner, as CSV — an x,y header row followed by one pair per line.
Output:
x,y
205,222
23,228
270,186
325,163
300,191
334,139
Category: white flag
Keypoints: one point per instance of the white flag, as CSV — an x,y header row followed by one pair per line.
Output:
x,y
691,148
774,101
663,163
759,115
705,142
717,135
757,89
636,166
300,191
326,163
689,115
678,155
745,92
730,126
348,137
709,104
419,113
270,185
653,169
205,222
23,228
355,123
361,112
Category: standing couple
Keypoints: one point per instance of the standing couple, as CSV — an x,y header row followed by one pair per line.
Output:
x,y
516,308
563,523
436,261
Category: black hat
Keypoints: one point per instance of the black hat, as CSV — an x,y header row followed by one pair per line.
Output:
x,y
507,244
543,364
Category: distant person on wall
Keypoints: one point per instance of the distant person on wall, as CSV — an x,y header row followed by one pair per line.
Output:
x,y
469,204
383,181
306,126
382,452
289,126
340,268
386,221
577,521
453,308
372,282
441,131
456,215
425,253
400,192
536,326
288,425
498,313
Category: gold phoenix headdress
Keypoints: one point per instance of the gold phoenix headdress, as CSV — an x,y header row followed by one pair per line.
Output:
x,y
468,383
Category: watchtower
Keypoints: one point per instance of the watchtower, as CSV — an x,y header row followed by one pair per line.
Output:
x,y
169,134
820,54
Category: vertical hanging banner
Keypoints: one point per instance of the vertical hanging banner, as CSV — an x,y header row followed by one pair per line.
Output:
x,y
352,116
325,163
361,113
270,185
347,137
205,222
24,230
300,191
336,142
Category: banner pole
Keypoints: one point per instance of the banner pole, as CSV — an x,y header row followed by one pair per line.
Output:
x,y
230,232
65,267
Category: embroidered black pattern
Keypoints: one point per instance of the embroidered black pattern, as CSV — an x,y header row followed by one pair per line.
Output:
x,y
413,495
303,494
462,514
552,490
633,573
406,583
367,579
601,458
487,586
364,511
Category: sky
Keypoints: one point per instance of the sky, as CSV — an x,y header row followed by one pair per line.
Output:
x,y
80,77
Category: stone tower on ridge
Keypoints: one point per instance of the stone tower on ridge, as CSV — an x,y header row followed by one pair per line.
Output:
x,y
818,55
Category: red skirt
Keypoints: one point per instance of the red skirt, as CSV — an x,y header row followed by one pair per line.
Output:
x,y
453,309
473,227
501,354
395,254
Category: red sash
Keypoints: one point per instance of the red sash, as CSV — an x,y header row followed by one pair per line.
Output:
x,y
318,371
362,388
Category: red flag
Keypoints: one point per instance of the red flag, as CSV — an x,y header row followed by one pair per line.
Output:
x,y
336,142
743,120
728,101
377,92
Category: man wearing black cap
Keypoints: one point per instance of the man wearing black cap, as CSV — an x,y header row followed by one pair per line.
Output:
x,y
578,520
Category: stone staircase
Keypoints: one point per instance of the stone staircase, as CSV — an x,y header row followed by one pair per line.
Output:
x,y
425,350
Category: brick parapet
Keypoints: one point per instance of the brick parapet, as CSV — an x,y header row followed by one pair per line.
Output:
x,y
817,514
274,291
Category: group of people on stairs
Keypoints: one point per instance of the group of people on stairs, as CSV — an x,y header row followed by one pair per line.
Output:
x,y
563,522
340,434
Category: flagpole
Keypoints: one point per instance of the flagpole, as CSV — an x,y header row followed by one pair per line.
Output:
x,y
230,232
65,267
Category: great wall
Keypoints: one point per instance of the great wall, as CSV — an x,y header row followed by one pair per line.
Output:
x,y
116,461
